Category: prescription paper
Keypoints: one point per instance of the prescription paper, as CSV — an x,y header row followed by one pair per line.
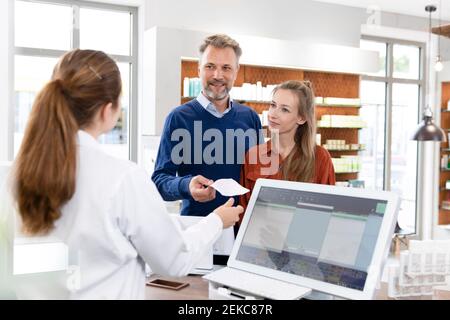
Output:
x,y
229,187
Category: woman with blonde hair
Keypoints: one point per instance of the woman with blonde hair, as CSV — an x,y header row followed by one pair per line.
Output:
x,y
107,211
292,153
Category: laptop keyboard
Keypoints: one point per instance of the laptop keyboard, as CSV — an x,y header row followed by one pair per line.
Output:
x,y
257,285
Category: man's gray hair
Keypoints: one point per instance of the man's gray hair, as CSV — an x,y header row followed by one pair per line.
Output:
x,y
221,41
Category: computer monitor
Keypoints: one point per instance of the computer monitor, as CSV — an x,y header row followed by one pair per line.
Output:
x,y
333,240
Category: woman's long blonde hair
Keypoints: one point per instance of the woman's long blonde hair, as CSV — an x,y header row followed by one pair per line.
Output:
x,y
300,163
83,81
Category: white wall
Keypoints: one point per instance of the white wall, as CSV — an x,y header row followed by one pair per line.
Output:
x,y
6,79
303,20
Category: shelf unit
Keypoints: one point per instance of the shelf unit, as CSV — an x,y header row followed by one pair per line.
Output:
x,y
268,102
325,84
347,150
324,127
444,173
341,86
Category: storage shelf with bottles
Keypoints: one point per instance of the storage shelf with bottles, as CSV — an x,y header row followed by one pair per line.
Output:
x,y
346,172
332,127
247,101
350,150
324,105
342,90
444,171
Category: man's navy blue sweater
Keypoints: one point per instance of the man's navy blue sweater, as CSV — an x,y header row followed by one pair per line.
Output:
x,y
194,142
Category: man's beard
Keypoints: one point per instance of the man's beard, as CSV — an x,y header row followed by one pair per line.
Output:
x,y
216,96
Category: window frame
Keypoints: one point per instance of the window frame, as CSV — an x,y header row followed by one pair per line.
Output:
x,y
131,59
389,80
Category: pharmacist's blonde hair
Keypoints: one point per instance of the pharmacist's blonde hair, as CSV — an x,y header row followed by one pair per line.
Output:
x,y
300,163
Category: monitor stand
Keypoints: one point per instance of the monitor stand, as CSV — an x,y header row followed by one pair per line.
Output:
x,y
317,295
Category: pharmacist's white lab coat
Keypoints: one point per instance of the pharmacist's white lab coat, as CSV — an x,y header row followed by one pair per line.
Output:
x,y
115,221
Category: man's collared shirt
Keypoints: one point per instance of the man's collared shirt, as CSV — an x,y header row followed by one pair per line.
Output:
x,y
211,108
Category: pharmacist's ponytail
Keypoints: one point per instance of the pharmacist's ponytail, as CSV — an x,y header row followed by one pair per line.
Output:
x,y
45,170
46,162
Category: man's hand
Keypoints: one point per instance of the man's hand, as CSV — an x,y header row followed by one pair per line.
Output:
x,y
200,189
229,214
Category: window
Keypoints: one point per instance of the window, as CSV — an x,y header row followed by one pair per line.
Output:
x,y
373,95
406,61
30,74
34,29
391,100
97,26
403,166
46,30
381,48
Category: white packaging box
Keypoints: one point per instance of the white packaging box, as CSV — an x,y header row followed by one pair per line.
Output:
x,y
186,83
259,91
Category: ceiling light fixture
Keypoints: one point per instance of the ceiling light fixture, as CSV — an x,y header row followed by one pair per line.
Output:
x,y
438,66
428,131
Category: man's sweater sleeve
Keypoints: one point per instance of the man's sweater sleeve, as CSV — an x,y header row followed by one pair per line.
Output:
x,y
170,186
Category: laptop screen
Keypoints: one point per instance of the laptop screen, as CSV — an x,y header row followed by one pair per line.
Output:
x,y
321,236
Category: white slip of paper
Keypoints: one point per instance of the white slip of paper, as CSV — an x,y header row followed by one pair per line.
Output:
x,y
229,187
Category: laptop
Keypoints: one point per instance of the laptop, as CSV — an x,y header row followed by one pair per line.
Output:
x,y
303,240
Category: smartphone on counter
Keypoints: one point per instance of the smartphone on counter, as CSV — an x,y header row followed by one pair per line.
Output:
x,y
161,283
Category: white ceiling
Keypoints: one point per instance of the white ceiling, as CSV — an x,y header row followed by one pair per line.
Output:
x,y
409,7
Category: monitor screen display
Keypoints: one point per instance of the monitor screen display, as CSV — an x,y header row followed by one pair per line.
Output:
x,y
326,237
